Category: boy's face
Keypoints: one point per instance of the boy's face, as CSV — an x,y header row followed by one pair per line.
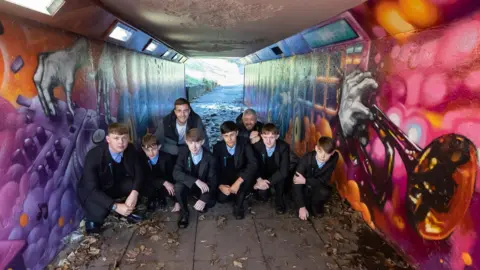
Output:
x,y
194,147
152,150
117,143
230,138
182,112
322,156
269,139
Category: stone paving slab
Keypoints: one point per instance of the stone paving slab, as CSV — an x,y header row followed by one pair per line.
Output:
x,y
170,244
292,239
115,242
227,263
235,238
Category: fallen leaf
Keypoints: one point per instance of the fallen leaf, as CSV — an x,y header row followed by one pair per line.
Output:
x,y
94,251
237,264
155,238
202,217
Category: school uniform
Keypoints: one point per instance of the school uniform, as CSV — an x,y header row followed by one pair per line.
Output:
x,y
232,163
317,190
187,170
158,170
106,177
274,167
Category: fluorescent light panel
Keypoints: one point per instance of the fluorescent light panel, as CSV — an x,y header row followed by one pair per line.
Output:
x,y
152,46
48,7
121,32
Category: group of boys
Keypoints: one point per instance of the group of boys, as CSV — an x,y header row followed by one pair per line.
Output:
x,y
175,162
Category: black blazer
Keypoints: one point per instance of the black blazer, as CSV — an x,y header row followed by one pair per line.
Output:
x,y
281,156
245,161
160,172
308,165
182,172
167,133
98,174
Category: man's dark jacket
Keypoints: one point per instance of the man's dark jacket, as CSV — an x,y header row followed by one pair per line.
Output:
x,y
167,134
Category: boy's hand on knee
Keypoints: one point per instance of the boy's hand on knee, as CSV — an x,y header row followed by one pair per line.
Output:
x,y
199,205
225,189
170,188
132,199
123,209
303,213
202,186
299,179
236,186
262,184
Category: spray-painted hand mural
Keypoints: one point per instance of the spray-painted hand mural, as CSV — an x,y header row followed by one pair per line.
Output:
x,y
356,88
105,80
407,121
44,139
58,69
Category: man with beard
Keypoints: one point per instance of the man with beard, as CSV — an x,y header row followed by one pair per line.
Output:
x,y
248,125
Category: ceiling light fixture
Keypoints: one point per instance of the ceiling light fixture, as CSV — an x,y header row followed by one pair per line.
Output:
x,y
121,32
152,46
48,7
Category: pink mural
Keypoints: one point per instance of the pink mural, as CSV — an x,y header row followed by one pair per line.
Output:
x,y
402,101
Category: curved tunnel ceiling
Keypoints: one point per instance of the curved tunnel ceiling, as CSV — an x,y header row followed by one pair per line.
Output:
x,y
224,28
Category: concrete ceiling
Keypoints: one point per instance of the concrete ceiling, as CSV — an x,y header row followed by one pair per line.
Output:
x,y
224,28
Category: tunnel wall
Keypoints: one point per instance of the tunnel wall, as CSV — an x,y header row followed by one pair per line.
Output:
x,y
43,144
404,109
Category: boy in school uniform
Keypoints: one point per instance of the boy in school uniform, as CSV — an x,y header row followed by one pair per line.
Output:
x,y
195,174
158,168
274,155
311,188
236,167
111,172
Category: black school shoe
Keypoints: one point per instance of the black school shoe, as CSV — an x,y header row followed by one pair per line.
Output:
x,y
183,221
280,209
238,213
93,227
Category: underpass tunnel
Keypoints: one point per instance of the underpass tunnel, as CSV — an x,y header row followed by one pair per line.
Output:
x,y
394,83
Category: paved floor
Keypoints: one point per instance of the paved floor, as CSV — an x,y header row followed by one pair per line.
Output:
x,y
215,240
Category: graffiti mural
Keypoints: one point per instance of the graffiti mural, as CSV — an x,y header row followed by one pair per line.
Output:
x,y
402,106
58,92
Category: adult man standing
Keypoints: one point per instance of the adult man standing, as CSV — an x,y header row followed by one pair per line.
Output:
x,y
112,171
172,128
248,125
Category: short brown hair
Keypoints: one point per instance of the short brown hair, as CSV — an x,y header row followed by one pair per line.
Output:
x,y
327,144
149,140
195,135
270,128
118,128
182,101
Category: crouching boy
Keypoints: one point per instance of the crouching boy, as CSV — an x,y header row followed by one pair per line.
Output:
x,y
274,154
158,170
311,183
236,167
194,174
